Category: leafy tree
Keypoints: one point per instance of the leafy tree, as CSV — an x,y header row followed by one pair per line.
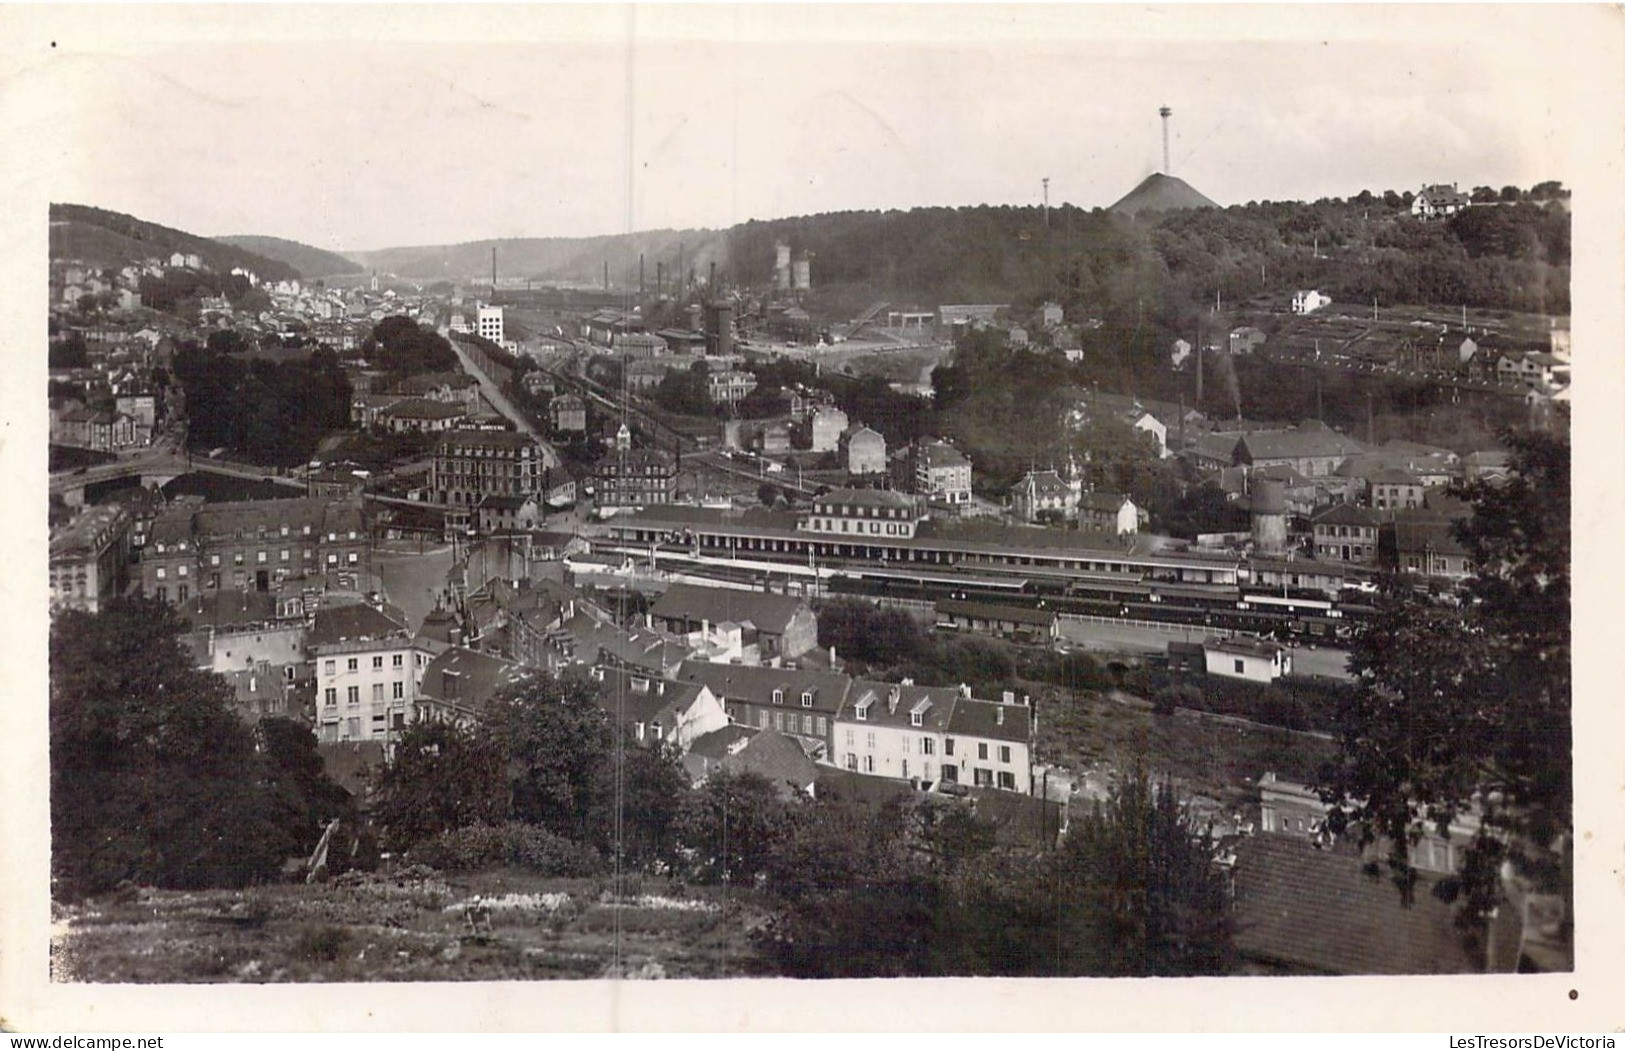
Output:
x,y
300,793
686,391
1457,709
440,778
555,740
862,631
731,827
153,778
653,787
1145,878
399,344
70,353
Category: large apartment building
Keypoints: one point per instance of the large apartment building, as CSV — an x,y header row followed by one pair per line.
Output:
x,y
471,465
252,545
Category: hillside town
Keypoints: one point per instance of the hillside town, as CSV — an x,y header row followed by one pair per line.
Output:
x,y
780,543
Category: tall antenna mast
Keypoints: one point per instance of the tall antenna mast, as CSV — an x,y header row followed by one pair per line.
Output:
x,y
493,271
1046,202
1167,169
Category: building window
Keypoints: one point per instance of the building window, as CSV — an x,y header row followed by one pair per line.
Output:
x,y
180,570
1004,753
871,741
850,742
1241,666
851,762
259,558
981,750
948,746
868,764
378,662
398,691
377,692
331,696
806,699
397,660
927,746
1007,780
352,664
905,746
822,726
778,696
160,572
916,718
352,695
331,667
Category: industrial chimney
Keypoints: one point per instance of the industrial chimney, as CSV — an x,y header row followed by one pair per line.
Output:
x,y
1167,169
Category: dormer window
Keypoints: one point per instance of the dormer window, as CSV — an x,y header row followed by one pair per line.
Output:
x,y
916,718
778,696
863,713
806,698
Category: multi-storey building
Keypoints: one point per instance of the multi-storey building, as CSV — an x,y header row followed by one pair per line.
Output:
x,y
1043,494
1347,533
489,323
867,512
88,559
471,465
635,478
254,544
942,473
569,414
367,672
894,730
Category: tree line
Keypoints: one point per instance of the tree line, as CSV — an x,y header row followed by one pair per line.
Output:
x,y
266,412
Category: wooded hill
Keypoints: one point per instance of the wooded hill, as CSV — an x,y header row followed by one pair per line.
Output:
x,y
100,238
311,262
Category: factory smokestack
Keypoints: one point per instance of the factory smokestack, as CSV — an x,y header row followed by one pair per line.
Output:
x,y
1167,169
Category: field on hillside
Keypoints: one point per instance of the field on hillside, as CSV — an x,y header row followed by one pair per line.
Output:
x,y
412,926
1213,756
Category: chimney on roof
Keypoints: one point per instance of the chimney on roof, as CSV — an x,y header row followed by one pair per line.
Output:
x,y
964,691
1009,697
892,697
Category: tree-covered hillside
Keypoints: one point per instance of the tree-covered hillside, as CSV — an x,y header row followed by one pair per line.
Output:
x,y
98,237
311,262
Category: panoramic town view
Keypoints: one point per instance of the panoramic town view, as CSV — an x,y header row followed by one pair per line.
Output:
x,y
1131,574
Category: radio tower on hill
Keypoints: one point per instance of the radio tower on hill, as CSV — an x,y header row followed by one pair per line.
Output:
x,y
1167,169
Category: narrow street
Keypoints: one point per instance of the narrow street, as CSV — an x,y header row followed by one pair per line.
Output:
x,y
493,394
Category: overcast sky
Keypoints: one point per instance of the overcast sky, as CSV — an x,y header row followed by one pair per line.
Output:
x,y
467,123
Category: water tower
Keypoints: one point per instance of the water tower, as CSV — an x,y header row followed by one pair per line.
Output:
x,y
1269,516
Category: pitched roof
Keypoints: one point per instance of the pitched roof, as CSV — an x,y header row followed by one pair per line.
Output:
x,y
933,703
1295,444
1348,514
636,698
776,758
468,678
1317,910
992,611
229,609
425,409
348,763
976,718
353,623
1110,503
642,648
755,685
1421,534
1042,484
939,454
768,612
867,498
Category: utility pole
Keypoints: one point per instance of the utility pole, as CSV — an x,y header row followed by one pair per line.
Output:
x,y
1046,206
